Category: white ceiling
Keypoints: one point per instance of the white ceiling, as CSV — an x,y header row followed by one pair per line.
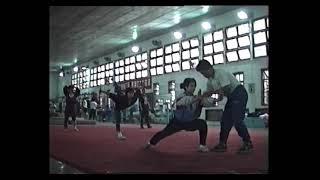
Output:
x,y
87,32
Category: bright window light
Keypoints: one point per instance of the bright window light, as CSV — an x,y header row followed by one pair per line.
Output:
x,y
153,54
168,59
144,56
244,41
259,25
144,73
231,32
176,47
102,68
111,66
121,62
121,70
168,68
207,38
260,51
121,77
218,35
144,64
111,72
243,28
132,75
232,56
259,37
132,59
168,49
153,62
194,52
160,70
176,57
138,74
194,63
132,68
185,45
218,47
160,52
208,49
117,63
244,54
218,59
159,61
138,57
176,67
209,59
194,42
127,69
138,66
231,44
186,54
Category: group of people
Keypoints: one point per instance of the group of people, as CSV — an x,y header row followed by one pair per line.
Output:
x,y
188,108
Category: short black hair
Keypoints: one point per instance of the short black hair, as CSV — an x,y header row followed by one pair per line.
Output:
x,y
203,65
186,83
129,89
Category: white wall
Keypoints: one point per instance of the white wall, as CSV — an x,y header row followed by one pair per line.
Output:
x,y
53,85
251,68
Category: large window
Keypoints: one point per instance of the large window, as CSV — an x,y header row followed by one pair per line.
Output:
x,y
190,53
156,62
213,47
265,86
260,37
119,70
240,77
172,58
80,79
141,65
238,42
94,77
108,73
171,89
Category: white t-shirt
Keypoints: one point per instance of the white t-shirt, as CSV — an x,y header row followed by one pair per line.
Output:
x,y
222,80
93,105
85,105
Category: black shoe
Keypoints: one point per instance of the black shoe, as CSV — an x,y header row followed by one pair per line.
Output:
x,y
149,126
141,127
247,147
221,147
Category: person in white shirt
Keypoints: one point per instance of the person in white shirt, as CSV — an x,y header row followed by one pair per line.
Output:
x,y
93,107
225,84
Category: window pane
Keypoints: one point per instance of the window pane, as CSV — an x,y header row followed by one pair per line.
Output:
x,y
260,37
168,49
102,75
267,22
185,65
95,70
218,59
207,38
111,66
176,47
127,61
107,66
110,72
107,73
102,68
208,49
144,73
160,70
218,35
121,78
232,56
132,59
241,77
144,65
127,77
185,45
194,42
244,54
144,56
175,67
260,51
138,74
117,79
121,62
168,59
132,68
218,47
117,64
99,69
121,70
176,57
186,54
243,28
259,24
138,57
231,32
127,69
195,52
132,75
153,62
231,44
168,68
153,54
138,66
160,52
244,41
159,60
153,71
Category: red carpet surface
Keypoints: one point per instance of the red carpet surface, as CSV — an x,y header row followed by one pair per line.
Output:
x,y
95,149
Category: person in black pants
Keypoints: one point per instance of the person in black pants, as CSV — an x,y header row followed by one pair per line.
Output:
x,y
144,111
122,102
225,84
71,94
191,122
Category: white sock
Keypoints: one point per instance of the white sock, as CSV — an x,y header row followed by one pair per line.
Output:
x,y
119,134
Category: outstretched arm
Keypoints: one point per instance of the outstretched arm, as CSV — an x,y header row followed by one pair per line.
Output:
x,y
65,91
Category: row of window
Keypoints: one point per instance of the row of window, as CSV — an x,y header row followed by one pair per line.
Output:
x,y
226,45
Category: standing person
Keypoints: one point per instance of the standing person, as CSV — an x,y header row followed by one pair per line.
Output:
x,y
85,107
93,108
190,105
144,111
71,93
225,84
121,103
